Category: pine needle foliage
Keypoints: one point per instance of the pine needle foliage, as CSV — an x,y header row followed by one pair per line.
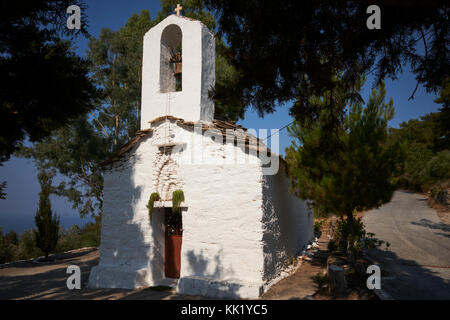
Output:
x,y
358,175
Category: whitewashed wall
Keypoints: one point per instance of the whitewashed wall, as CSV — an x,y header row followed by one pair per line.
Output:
x,y
222,228
239,227
198,76
288,224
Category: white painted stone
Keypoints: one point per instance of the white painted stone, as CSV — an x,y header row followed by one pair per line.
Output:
x,y
198,76
240,228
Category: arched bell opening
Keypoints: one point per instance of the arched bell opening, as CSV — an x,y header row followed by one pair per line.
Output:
x,y
171,59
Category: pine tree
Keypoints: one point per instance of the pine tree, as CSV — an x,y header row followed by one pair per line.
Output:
x,y
40,72
358,175
47,223
286,53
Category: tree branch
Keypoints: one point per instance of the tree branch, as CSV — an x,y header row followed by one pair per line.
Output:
x,y
414,92
426,58
101,125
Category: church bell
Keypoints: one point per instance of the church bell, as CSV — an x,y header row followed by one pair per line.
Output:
x,y
178,66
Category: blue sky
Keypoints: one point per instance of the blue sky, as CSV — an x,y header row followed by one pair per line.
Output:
x,y
18,210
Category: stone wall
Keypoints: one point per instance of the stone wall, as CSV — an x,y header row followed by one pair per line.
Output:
x,y
192,103
288,224
239,227
222,229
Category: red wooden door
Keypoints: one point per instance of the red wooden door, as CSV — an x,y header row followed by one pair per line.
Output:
x,y
173,241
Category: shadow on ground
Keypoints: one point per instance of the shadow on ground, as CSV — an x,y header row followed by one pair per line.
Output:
x,y
405,279
47,280
434,226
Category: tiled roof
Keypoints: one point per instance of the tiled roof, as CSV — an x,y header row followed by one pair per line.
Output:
x,y
228,129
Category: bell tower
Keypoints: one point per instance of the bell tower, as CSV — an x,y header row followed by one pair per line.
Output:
x,y
178,70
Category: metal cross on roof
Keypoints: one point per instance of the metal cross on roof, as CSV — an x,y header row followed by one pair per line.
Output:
x,y
178,9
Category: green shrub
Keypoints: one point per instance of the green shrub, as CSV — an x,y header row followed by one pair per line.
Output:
x,y
27,248
332,245
320,280
24,247
177,199
76,237
352,236
90,235
417,157
69,239
12,238
6,249
318,225
436,169
151,203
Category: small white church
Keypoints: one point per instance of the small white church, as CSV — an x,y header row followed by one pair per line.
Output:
x,y
238,227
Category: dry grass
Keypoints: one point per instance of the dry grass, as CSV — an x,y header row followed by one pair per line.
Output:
x,y
442,211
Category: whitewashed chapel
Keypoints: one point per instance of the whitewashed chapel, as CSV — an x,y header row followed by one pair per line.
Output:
x,y
239,226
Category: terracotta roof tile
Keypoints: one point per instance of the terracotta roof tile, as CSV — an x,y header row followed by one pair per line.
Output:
x,y
239,135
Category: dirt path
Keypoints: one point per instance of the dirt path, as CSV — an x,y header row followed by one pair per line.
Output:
x,y
300,285
31,280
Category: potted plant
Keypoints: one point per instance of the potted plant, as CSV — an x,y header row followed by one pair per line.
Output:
x,y
151,203
177,199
